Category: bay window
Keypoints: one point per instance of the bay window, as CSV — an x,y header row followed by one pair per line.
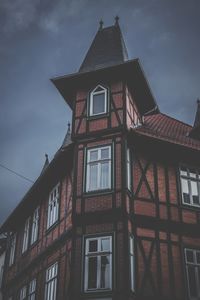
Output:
x,y
98,101
190,185
98,264
98,171
192,260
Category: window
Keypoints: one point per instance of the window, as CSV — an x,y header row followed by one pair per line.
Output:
x,y
132,263
98,101
192,259
32,290
22,294
26,235
35,226
12,249
190,184
98,264
51,282
53,207
128,169
98,169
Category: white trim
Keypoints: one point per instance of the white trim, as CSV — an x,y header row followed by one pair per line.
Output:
x,y
190,175
98,163
53,206
26,235
91,100
132,263
196,266
12,249
35,226
51,282
97,254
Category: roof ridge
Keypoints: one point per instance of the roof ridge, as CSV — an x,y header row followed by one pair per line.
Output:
x,y
173,118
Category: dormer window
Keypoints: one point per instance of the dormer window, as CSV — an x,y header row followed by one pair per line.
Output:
x,y
98,101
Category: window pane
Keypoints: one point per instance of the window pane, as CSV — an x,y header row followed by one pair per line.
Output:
x,y
105,272
92,272
93,184
192,281
105,244
189,256
93,246
198,257
184,171
193,174
93,155
104,180
184,183
98,103
104,153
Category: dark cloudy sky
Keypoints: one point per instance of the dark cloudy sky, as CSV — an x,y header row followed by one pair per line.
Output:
x,y
41,39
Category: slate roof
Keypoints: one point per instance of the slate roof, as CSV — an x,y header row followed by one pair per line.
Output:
x,y
107,49
166,128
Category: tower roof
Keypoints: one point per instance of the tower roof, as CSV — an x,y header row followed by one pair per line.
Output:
x,y
107,49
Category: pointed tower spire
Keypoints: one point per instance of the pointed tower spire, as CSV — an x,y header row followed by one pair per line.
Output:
x,y
101,24
195,132
117,21
46,163
107,49
197,117
67,139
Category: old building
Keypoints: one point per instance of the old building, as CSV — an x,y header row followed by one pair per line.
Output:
x,y
116,213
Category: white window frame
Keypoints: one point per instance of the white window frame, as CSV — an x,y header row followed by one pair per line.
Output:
x,y
132,263
97,254
196,265
12,249
94,93
53,206
190,175
23,292
32,290
51,282
128,166
26,235
35,226
98,162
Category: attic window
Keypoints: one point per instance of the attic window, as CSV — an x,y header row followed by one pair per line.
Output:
x,y
98,101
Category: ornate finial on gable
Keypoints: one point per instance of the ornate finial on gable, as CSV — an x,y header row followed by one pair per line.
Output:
x,y
46,163
69,127
101,24
117,21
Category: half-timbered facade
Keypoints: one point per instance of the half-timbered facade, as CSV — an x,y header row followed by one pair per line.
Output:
x,y
116,213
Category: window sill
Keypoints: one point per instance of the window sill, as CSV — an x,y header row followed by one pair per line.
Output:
x,y
189,206
52,227
99,116
97,192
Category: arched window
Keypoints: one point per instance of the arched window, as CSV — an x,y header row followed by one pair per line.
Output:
x,y
98,101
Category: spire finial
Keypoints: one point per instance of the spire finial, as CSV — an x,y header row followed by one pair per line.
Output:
x,y
198,101
117,21
101,24
69,127
46,155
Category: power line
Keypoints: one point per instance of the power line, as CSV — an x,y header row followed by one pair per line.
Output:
x,y
18,174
